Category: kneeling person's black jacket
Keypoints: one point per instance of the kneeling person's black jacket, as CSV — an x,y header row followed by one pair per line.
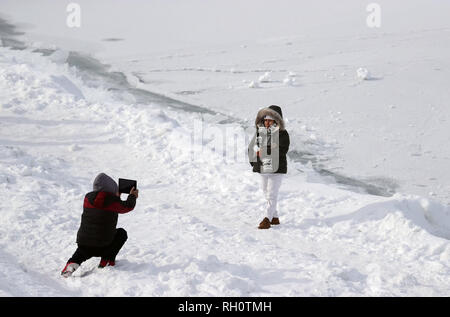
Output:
x,y
99,218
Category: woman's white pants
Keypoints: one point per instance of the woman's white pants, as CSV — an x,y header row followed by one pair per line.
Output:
x,y
271,185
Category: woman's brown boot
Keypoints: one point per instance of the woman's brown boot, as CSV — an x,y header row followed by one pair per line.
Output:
x,y
265,224
275,221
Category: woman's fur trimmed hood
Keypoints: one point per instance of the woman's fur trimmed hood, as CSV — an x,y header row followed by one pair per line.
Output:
x,y
259,121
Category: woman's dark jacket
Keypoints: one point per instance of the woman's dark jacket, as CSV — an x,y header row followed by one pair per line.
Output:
x,y
283,149
283,139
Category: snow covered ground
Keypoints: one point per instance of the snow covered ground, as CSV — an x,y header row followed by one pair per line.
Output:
x,y
355,219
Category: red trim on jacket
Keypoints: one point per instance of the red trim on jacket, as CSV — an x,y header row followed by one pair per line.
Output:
x,y
117,205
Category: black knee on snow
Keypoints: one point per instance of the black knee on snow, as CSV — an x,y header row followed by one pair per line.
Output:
x,y
122,234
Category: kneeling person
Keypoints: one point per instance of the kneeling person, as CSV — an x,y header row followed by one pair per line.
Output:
x,y
98,235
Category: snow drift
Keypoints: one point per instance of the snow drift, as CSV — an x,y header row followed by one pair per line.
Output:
x,y
193,232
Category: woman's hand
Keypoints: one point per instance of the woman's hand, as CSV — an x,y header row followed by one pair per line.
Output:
x,y
134,192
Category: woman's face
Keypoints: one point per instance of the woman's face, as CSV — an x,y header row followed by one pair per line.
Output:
x,y
268,123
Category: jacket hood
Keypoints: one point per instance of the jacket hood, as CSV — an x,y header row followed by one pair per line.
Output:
x,y
274,112
104,183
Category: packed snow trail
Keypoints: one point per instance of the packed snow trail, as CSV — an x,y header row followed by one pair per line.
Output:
x,y
194,229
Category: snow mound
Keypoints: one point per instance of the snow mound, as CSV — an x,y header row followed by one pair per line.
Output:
x,y
363,73
265,78
253,84
291,74
289,81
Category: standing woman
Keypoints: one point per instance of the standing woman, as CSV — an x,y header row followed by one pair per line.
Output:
x,y
267,154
